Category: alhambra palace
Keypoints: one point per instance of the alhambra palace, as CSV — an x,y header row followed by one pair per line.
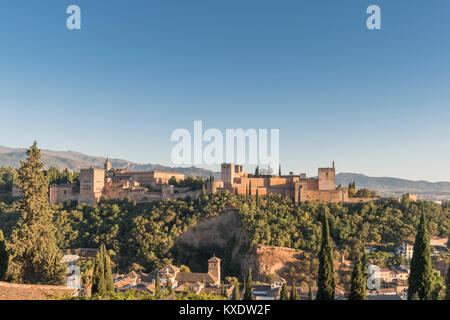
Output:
x,y
146,186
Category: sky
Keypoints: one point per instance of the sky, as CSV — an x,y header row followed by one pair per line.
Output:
x,y
375,101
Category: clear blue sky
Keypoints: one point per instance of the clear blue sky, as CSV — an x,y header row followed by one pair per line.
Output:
x,y
376,102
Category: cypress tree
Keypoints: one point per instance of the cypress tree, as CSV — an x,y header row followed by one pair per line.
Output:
x,y
284,293
294,293
35,256
279,170
248,286
157,284
4,257
310,293
421,275
358,282
250,188
326,285
236,294
98,278
169,286
107,270
224,291
447,284
257,198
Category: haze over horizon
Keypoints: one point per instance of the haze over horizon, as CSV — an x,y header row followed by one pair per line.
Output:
x,y
376,102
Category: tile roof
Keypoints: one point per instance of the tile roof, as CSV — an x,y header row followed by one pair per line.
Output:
x,y
194,277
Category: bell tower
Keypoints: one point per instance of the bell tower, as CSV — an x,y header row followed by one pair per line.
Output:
x,y
214,269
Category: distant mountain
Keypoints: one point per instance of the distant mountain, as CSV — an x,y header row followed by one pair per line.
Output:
x,y
75,161
395,187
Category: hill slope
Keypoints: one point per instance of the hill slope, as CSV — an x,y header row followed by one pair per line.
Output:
x,y
75,161
395,187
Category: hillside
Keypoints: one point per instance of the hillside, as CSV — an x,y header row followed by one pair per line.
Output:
x,y
74,161
395,187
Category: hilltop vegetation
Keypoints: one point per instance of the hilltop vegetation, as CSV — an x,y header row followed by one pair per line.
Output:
x,y
144,234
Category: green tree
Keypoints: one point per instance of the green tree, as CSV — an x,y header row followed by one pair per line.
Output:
x,y
421,275
236,293
35,256
250,188
326,284
107,270
284,293
4,257
279,170
169,286
224,291
157,285
358,282
310,293
294,293
447,284
248,286
99,286
257,171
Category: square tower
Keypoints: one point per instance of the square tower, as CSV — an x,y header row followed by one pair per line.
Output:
x,y
92,184
214,269
227,173
327,179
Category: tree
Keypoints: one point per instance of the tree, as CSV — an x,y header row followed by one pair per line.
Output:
x,y
294,293
421,275
310,293
236,294
257,198
326,285
224,291
35,256
169,286
4,257
358,282
107,270
257,171
250,188
248,286
279,170
447,284
157,285
99,286
284,293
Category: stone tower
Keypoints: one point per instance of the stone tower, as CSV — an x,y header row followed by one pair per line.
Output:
x,y
108,165
214,269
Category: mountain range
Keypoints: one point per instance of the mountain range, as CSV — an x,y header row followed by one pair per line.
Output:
x,y
384,186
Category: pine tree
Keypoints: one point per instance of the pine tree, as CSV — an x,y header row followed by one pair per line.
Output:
x,y
326,285
4,257
284,293
236,294
421,275
99,286
358,282
248,286
310,293
107,271
35,256
447,284
294,293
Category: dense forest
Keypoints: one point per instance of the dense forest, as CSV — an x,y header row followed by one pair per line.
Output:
x,y
142,236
